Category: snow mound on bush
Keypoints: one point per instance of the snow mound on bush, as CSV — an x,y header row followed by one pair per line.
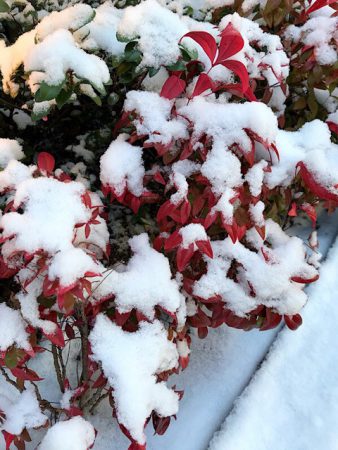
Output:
x,y
267,271
145,282
9,149
22,412
12,329
122,167
132,375
73,434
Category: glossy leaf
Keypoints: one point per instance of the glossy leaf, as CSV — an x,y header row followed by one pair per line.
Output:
x,y
46,162
231,43
206,41
173,87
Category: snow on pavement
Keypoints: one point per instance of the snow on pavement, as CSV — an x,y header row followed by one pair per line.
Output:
x,y
292,401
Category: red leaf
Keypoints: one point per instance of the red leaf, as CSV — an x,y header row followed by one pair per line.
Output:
x,y
203,83
101,381
210,219
271,320
46,162
333,126
56,338
159,178
185,212
293,322
173,87
69,331
121,318
319,4
160,424
202,332
312,184
87,230
310,211
206,41
303,280
5,271
240,70
183,257
136,446
231,43
293,210
173,241
205,247
184,361
25,374
9,438
164,210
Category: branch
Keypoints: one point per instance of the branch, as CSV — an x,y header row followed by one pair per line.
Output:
x,y
9,380
57,368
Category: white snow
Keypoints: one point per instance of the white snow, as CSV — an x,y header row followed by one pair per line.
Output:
x,y
21,411
192,233
157,30
100,33
71,18
122,167
319,32
73,434
270,280
146,352
292,402
13,175
312,145
12,329
58,53
155,114
145,282
9,149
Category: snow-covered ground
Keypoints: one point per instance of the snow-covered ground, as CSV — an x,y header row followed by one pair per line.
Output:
x,y
292,402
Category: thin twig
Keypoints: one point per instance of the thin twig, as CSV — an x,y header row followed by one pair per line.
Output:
x,y
57,368
9,380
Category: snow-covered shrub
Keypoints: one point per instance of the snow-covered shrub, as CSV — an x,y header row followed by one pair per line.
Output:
x,y
147,184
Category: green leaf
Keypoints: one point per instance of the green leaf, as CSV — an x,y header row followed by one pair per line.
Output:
x,y
97,100
187,54
85,20
178,66
41,113
4,8
113,99
121,38
12,357
63,96
152,71
47,92
124,67
116,61
130,46
134,56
